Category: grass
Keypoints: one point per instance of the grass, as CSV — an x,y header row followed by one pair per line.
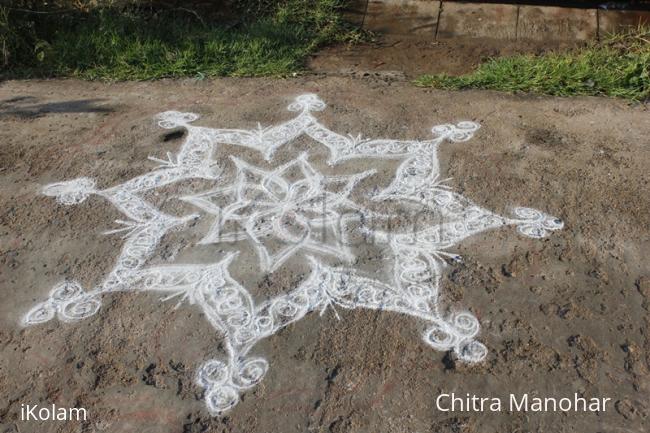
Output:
x,y
130,44
619,66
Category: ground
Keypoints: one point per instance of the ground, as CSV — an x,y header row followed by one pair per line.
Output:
x,y
394,55
561,315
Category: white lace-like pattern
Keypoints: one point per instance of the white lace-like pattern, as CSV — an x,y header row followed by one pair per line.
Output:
x,y
267,205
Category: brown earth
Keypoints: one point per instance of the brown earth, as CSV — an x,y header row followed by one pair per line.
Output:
x,y
397,55
562,315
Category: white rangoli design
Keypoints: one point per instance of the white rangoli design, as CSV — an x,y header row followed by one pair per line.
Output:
x,y
267,208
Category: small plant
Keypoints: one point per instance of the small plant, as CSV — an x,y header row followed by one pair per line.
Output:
x,y
619,66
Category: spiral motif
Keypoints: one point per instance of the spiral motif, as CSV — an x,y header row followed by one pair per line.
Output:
x,y
244,335
440,338
79,308
365,296
381,148
65,292
137,250
250,372
221,398
419,291
228,301
41,313
472,351
300,300
528,214
264,324
443,198
465,324
532,231
112,283
213,373
238,318
285,308
462,131
214,280
416,274
442,130
130,263
547,221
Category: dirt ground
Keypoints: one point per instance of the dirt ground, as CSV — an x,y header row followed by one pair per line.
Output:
x,y
409,56
561,315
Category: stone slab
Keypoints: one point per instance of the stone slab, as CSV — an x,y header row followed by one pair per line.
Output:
x,y
477,20
556,23
404,17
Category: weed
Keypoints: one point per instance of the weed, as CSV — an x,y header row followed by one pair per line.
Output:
x,y
619,66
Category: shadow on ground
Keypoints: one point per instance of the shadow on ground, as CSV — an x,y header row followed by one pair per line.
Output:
x,y
30,106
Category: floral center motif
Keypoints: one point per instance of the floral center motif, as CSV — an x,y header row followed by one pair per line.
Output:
x,y
264,204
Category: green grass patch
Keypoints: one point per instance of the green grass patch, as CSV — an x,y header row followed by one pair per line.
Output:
x,y
134,44
619,66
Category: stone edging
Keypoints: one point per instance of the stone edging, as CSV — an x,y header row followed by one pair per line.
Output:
x,y
446,19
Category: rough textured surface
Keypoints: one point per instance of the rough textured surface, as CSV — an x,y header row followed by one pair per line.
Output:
x,y
402,16
544,23
441,20
561,315
392,56
478,20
